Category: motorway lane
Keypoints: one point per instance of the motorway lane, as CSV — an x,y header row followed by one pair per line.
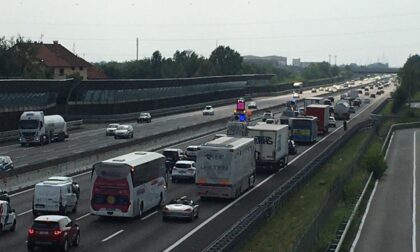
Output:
x,y
91,139
137,233
389,222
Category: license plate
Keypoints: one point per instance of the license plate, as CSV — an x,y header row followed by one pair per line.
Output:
x,y
181,171
110,209
43,232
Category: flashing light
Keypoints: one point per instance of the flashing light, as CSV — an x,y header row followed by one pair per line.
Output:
x,y
242,118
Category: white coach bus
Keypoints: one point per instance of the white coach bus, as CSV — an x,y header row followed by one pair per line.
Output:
x,y
128,185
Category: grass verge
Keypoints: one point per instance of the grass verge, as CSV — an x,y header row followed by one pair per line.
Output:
x,y
288,224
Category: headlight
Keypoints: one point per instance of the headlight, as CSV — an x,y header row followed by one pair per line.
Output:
x,y
36,138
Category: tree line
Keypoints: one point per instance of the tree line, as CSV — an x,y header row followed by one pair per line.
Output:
x,y
409,77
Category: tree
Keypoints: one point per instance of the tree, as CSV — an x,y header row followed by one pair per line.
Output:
x,y
410,82
156,61
226,61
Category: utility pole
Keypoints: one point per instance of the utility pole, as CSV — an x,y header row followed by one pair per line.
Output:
x,y
335,60
137,49
329,59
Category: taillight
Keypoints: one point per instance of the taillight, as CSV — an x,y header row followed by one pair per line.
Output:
x,y
165,209
188,210
31,231
57,232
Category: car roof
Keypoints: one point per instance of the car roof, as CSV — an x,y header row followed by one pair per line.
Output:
x,y
3,201
60,178
185,162
51,218
172,149
53,183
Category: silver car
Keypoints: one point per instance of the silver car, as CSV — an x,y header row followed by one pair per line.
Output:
x,y
124,131
110,130
6,163
182,208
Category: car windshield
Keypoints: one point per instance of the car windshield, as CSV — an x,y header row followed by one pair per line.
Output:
x,y
171,154
28,124
122,127
208,107
181,201
113,126
182,165
144,114
192,149
45,225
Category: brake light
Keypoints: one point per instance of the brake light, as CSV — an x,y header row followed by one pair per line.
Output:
x,y
57,232
31,231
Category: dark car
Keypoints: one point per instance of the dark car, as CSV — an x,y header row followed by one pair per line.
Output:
x,y
357,102
6,163
172,155
292,147
144,117
54,231
331,98
372,96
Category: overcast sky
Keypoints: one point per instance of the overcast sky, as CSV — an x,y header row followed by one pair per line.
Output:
x,y
359,31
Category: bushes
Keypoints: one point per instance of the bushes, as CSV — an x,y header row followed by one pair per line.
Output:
x,y
374,161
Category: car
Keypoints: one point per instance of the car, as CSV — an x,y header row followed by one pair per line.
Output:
x,y
172,155
75,185
327,89
191,152
7,217
331,98
183,170
327,102
270,121
182,208
219,135
144,117
4,195
54,231
313,90
357,102
352,110
367,93
378,92
295,95
267,115
332,122
292,147
321,89
366,100
372,96
252,105
54,197
343,96
301,111
208,110
371,87
110,129
124,131
6,163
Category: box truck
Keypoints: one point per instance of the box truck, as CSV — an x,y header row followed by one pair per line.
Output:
x,y
35,127
322,112
271,145
304,129
225,167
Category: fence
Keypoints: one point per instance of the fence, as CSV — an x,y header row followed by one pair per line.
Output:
x,y
249,224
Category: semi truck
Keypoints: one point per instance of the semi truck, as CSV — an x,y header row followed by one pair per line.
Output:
x,y
37,128
322,112
304,129
271,145
225,167
341,110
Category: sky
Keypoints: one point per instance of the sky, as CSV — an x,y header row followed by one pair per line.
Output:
x,y
351,31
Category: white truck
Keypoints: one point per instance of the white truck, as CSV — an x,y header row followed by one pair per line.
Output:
x,y
7,216
35,127
271,145
341,110
225,167
54,197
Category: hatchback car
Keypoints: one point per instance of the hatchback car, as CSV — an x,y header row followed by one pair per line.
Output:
x,y
183,208
183,170
252,105
191,152
144,117
53,231
124,131
6,163
332,122
110,130
208,110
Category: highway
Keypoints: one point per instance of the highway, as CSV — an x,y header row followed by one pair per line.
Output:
x,y
391,218
150,233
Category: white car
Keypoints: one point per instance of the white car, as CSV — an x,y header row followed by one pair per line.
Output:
x,y
252,105
182,207
124,131
295,95
208,110
267,115
6,163
110,130
7,217
183,169
332,122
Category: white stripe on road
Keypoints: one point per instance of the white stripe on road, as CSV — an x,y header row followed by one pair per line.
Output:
x,y
414,242
387,149
26,212
150,215
113,235
83,216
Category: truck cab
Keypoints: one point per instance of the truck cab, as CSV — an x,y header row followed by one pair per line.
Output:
x,y
7,217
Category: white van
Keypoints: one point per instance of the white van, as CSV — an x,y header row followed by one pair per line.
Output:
x,y
7,217
54,197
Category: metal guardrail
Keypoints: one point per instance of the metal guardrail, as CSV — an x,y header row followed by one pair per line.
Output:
x,y
248,224
14,134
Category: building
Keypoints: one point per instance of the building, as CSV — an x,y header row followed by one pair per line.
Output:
x,y
62,63
297,63
277,61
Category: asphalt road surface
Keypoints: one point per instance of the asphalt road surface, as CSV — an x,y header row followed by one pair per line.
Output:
x,y
390,223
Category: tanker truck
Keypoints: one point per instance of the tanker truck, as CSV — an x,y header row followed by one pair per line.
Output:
x,y
341,110
37,128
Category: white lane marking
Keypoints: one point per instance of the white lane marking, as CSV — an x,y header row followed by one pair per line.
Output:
x,y
414,242
150,215
353,246
216,214
387,149
81,174
26,212
83,216
249,191
113,235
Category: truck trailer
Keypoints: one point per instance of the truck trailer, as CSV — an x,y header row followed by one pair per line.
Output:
x,y
271,145
304,129
35,127
322,112
225,167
